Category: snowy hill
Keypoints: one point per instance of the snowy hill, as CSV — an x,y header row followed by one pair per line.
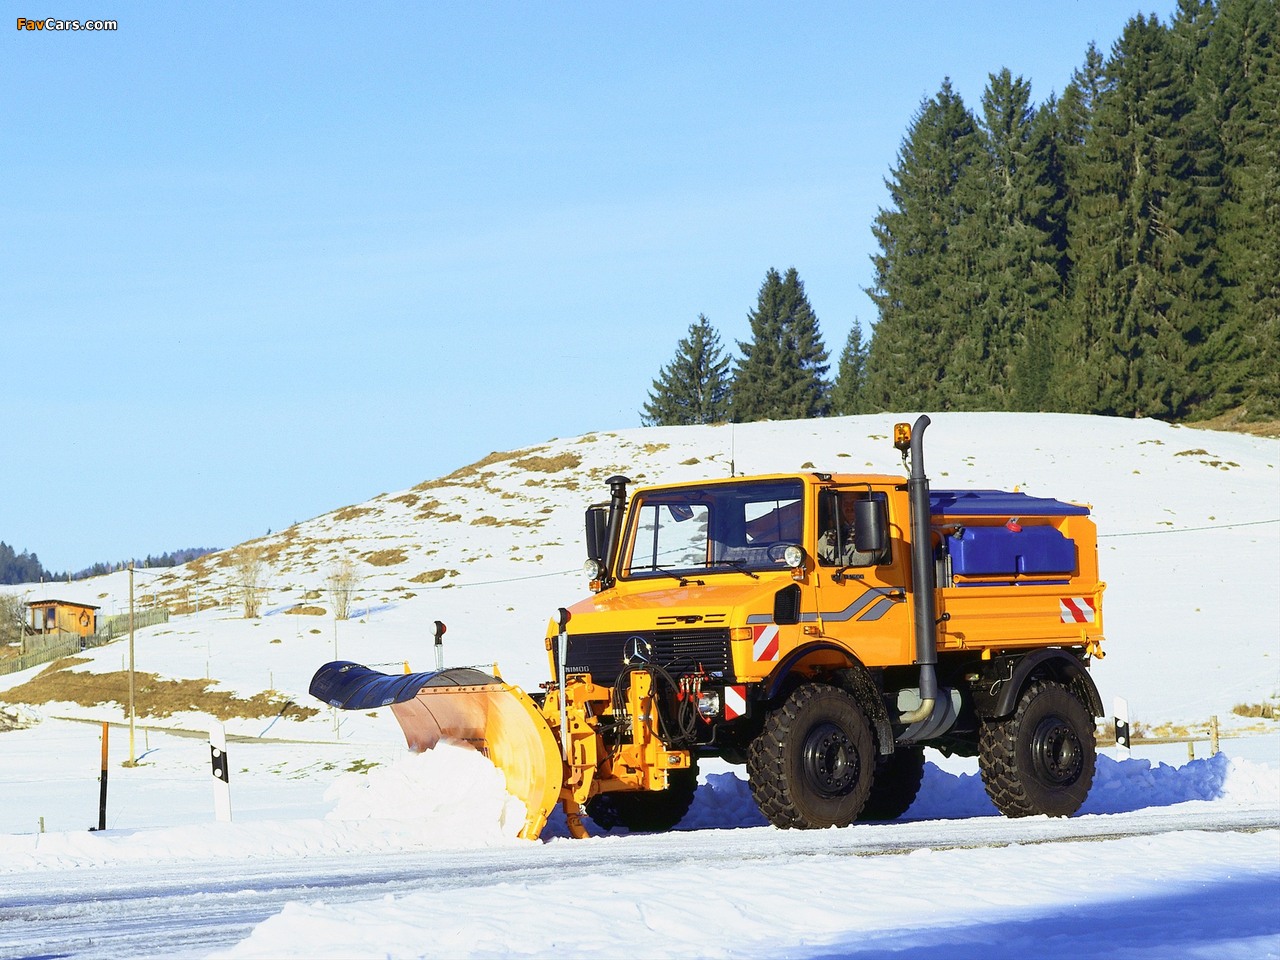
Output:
x,y
345,845
1189,525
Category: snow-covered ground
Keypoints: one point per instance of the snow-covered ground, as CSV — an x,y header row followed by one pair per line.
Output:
x,y
1169,857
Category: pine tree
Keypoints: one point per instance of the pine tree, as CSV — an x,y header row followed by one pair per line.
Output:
x,y
1136,241
781,372
923,288
1066,330
1242,77
851,375
20,567
1008,241
694,386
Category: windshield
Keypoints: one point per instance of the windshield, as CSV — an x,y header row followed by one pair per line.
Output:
x,y
744,526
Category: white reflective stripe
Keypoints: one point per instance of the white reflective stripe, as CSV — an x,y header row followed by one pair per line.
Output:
x,y
735,702
1075,609
766,643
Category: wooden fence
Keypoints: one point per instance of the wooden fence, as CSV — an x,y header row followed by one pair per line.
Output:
x,y
42,648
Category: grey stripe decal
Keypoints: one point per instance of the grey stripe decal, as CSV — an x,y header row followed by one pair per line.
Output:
x,y
882,597
883,606
871,595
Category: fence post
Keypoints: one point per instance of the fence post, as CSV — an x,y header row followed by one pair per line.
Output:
x,y
1213,735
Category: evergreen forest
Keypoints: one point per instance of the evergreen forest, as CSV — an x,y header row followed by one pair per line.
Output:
x,y
1114,250
25,567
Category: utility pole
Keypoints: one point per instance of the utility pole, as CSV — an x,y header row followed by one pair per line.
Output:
x,y
132,755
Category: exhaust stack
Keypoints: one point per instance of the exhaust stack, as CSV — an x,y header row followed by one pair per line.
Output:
x,y
923,574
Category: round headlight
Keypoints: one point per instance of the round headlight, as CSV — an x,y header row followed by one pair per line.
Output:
x,y
592,569
793,556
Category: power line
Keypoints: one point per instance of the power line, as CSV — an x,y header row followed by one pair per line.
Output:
x,y
1220,526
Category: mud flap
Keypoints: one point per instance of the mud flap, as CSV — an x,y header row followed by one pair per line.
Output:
x,y
464,705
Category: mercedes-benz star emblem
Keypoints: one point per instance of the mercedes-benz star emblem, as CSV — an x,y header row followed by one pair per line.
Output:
x,y
635,650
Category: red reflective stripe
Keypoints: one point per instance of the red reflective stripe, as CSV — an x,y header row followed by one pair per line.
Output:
x,y
765,646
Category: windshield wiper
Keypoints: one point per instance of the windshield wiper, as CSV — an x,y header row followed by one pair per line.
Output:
x,y
665,572
739,565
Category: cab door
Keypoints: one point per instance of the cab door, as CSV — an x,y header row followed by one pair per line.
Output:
x,y
862,595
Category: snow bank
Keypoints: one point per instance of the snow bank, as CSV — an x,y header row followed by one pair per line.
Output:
x,y
454,789
453,798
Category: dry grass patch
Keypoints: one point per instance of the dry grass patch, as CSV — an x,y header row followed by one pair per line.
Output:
x,y
565,461
1237,421
490,521
153,696
352,513
1265,711
433,576
462,474
384,558
307,611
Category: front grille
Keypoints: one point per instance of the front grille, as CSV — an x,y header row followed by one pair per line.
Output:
x,y
679,652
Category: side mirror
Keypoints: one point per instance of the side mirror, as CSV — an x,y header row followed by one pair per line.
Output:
x,y
598,532
870,525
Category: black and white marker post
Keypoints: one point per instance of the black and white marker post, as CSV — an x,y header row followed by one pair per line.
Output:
x,y
1122,725
221,773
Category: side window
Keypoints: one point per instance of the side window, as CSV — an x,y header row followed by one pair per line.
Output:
x,y
836,546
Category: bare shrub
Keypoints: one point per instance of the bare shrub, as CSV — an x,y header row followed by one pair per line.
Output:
x,y
342,586
250,564
13,617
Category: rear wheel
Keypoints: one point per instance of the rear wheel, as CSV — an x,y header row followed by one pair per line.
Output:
x,y
1041,759
647,811
895,785
811,766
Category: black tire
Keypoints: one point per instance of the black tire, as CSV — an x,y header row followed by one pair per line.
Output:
x,y
1041,759
647,811
896,783
811,766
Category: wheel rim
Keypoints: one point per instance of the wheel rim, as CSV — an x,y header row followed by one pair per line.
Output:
x,y
829,761
1056,752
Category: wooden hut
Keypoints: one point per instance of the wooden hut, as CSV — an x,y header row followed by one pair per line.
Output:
x,y
63,616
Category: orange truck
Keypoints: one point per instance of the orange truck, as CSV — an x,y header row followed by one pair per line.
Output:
x,y
822,629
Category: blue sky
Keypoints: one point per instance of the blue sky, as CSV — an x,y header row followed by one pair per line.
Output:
x,y
259,261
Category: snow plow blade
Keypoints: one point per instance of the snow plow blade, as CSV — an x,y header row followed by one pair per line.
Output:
x,y
467,706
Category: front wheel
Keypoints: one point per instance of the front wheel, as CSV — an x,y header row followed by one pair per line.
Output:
x,y
1041,759
812,764
647,811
